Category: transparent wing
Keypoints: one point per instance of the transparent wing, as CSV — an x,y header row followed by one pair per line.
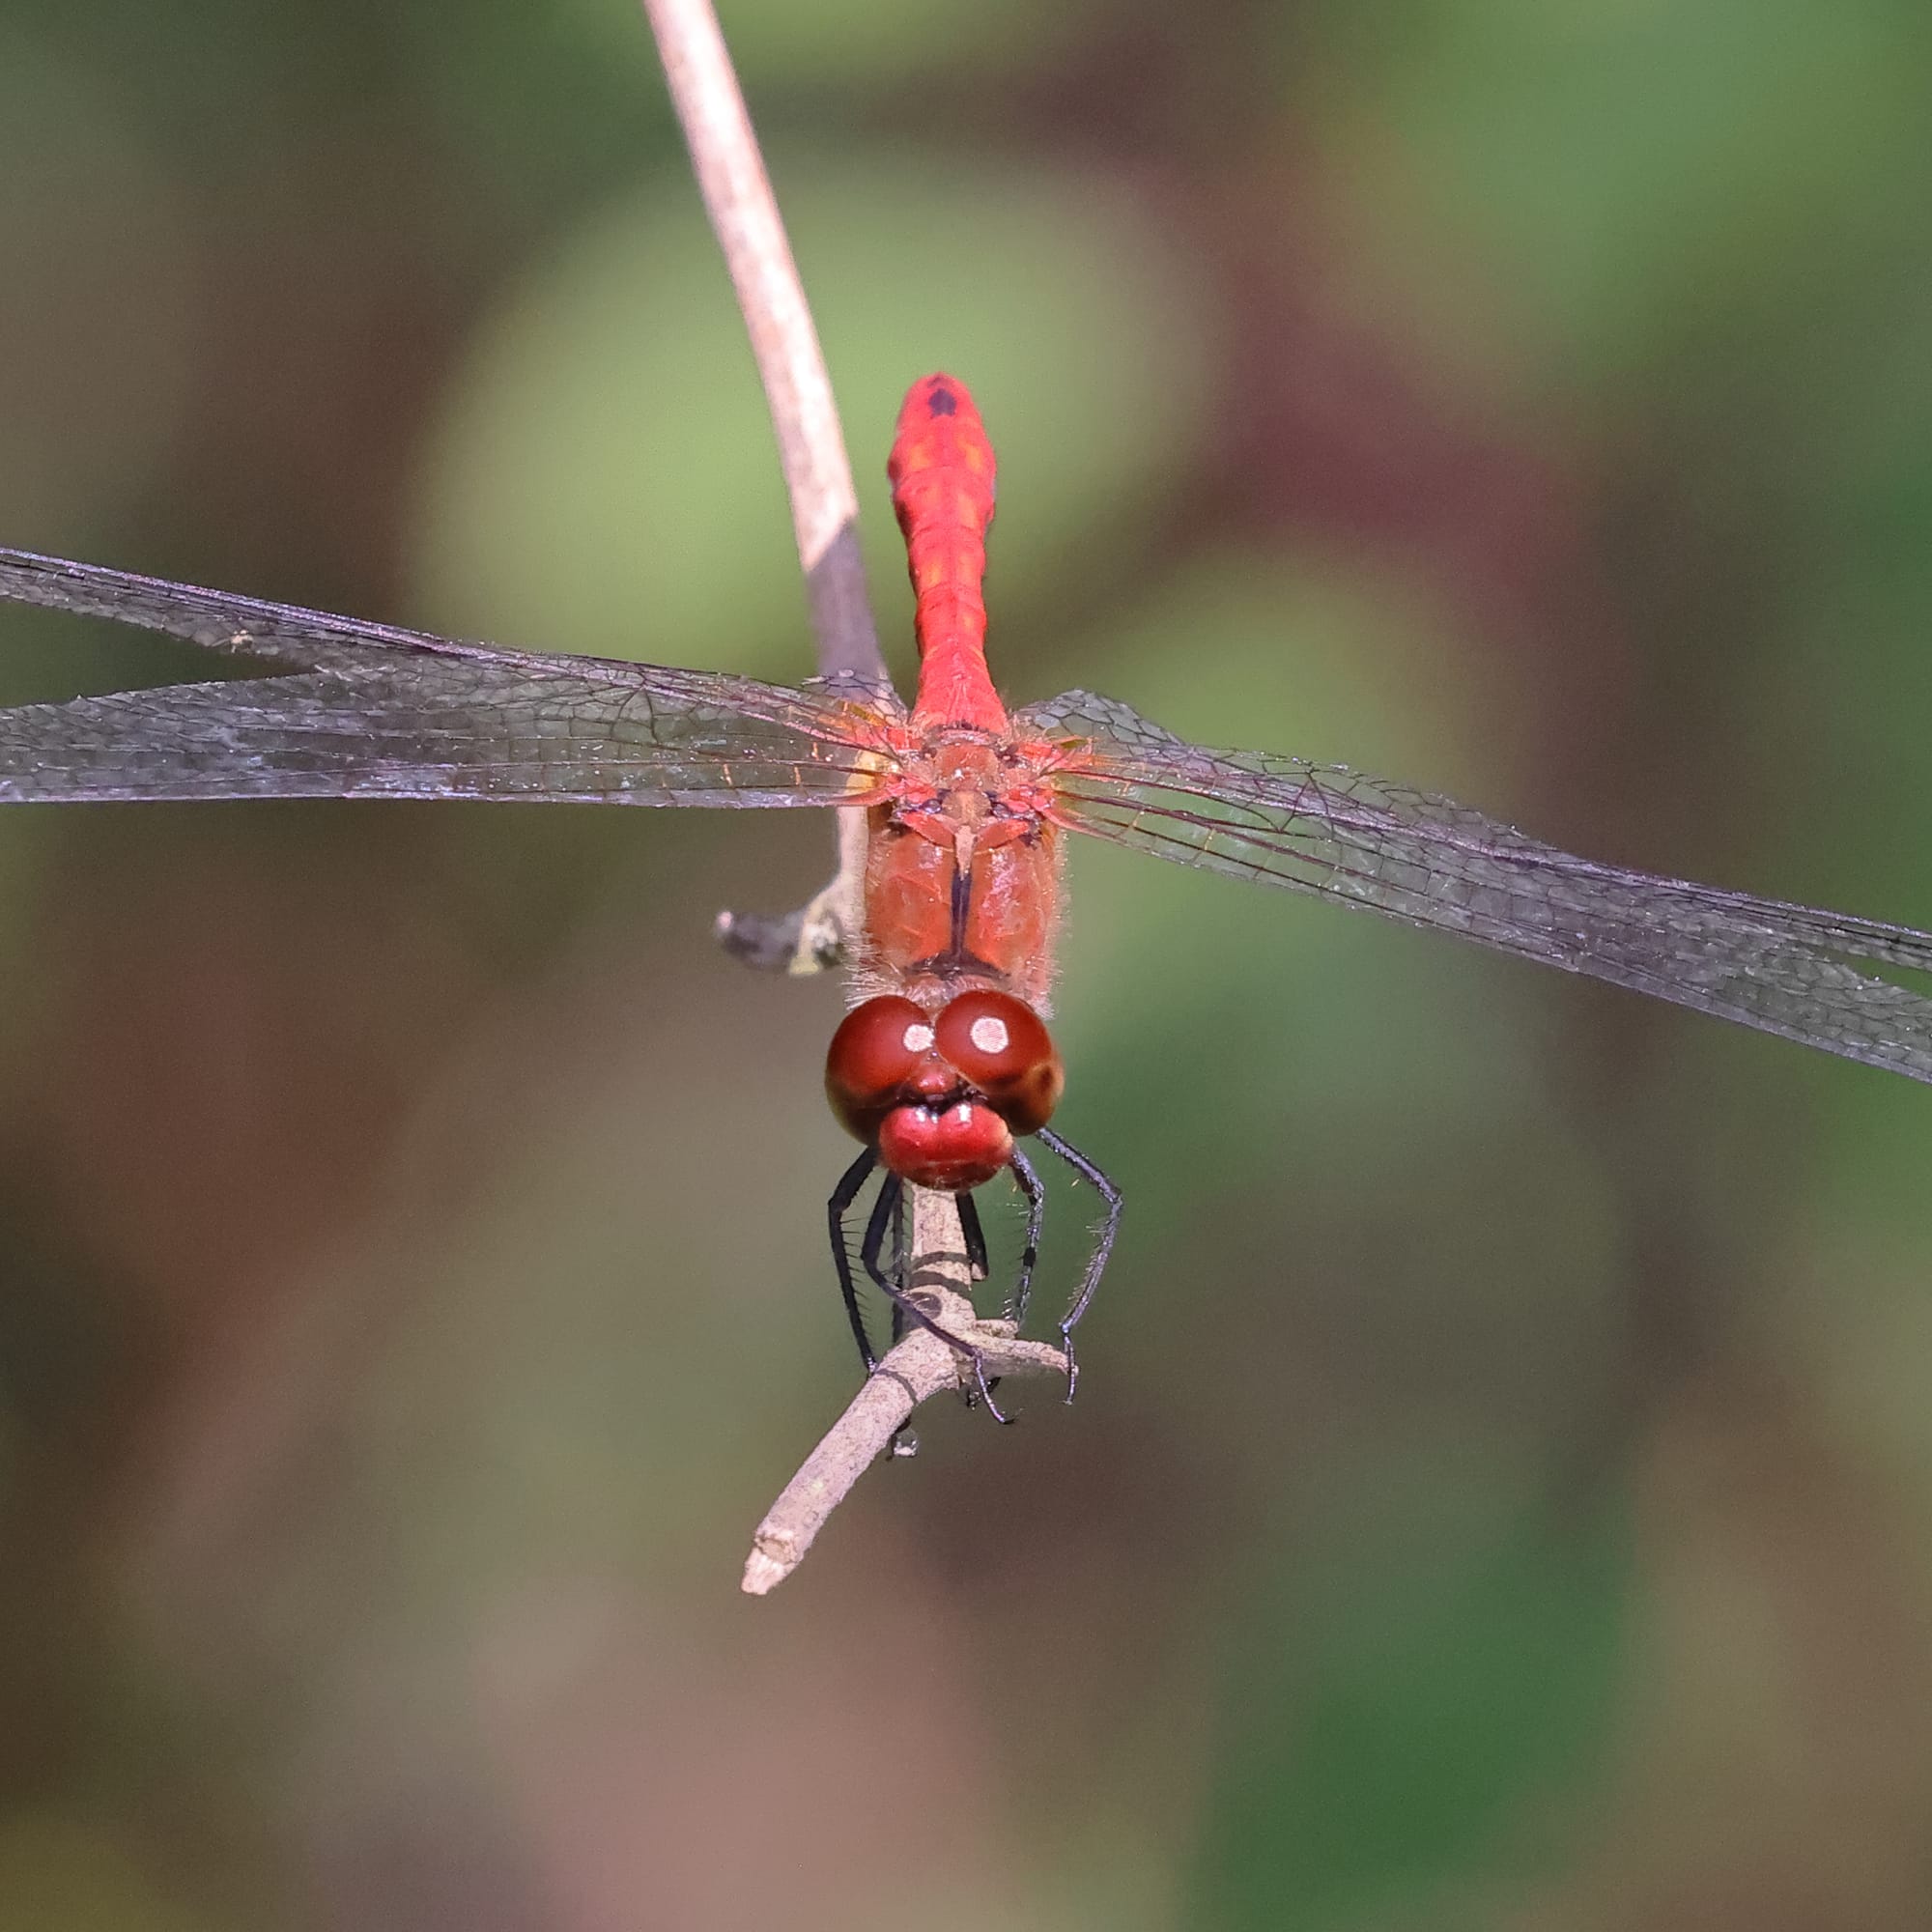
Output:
x,y
1424,859
378,712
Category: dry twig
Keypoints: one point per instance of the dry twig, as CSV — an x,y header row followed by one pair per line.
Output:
x,y
745,217
818,479
919,1367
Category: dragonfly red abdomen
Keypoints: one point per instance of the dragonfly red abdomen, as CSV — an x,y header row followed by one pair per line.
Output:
x,y
943,476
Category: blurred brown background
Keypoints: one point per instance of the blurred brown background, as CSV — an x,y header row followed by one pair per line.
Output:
x,y
1501,1489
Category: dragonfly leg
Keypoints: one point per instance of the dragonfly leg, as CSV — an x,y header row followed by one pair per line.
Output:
x,y
904,1307
836,1208
886,1212
898,1263
889,1212
974,1235
978,1265
1028,1182
1103,1245
903,1300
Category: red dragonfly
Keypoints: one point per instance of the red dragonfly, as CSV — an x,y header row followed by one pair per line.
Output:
x,y
944,1061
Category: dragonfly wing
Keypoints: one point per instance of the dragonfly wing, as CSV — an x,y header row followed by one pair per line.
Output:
x,y
378,712
1786,969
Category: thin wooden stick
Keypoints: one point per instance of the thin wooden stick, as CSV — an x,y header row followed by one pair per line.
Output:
x,y
745,217
921,1367
818,479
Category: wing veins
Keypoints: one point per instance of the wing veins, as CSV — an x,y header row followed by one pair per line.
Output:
x,y
373,710
1771,964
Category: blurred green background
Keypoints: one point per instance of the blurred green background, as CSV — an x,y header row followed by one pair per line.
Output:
x,y
1501,1489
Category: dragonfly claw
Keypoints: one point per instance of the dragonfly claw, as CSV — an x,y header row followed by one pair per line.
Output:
x,y
985,1388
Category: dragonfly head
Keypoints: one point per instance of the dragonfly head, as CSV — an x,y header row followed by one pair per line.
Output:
x,y
941,1095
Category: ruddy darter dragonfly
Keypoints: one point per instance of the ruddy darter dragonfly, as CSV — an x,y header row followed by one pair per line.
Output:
x,y
944,1061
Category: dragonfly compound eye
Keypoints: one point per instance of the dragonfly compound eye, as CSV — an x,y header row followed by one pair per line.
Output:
x,y
874,1057
1003,1047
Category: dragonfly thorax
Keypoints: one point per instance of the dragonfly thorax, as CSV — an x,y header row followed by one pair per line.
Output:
x,y
942,1094
962,878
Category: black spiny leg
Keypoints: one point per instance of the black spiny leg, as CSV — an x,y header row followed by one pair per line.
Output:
x,y
900,1263
974,1235
1035,1198
903,1304
835,1210
889,1212
901,1298
1103,1245
886,1212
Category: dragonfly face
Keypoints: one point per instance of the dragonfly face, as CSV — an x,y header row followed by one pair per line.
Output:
x,y
941,1095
